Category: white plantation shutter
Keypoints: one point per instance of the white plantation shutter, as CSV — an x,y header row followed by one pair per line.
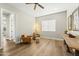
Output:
x,y
49,25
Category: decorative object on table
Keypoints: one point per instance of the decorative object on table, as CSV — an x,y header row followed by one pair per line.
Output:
x,y
71,36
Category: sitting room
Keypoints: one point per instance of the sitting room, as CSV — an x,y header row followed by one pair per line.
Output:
x,y
39,29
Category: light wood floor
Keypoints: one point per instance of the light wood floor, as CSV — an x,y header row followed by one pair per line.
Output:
x,y
46,47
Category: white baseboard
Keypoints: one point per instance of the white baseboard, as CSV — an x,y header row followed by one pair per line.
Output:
x,y
51,38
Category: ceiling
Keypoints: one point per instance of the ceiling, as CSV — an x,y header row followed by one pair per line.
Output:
x,y
49,8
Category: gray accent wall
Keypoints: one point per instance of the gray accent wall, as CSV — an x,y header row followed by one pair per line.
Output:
x,y
61,22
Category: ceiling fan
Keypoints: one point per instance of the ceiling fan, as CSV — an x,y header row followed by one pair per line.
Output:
x,y
36,4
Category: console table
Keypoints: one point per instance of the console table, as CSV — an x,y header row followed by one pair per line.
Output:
x,y
72,43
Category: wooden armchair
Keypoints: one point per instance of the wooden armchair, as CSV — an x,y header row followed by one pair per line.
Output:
x,y
35,36
25,39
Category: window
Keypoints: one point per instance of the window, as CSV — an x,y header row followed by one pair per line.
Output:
x,y
49,25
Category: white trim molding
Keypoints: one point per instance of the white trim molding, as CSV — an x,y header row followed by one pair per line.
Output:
x,y
51,38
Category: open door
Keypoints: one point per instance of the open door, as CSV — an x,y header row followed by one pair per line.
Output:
x,y
7,26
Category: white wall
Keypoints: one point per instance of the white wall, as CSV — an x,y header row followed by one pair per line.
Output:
x,y
24,22
60,24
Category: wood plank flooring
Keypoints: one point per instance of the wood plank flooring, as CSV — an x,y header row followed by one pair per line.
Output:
x,y
45,47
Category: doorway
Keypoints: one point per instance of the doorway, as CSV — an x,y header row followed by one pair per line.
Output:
x,y
7,27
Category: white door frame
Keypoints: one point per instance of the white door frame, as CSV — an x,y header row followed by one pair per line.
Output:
x,y
1,29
